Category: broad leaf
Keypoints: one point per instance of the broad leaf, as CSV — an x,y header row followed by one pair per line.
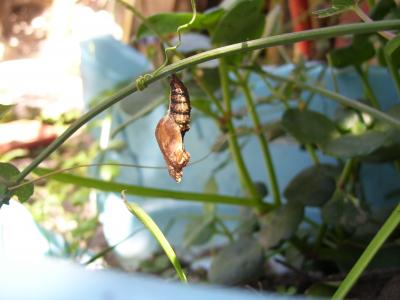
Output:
x,y
344,210
360,51
308,126
313,186
8,175
390,148
389,151
280,224
238,263
166,23
349,146
243,21
382,8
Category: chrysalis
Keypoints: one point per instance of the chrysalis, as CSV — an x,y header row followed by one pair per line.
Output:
x,y
171,129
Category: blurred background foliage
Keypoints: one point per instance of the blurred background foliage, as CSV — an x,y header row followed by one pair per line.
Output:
x,y
315,255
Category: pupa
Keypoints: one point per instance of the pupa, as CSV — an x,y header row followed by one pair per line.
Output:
x,y
171,129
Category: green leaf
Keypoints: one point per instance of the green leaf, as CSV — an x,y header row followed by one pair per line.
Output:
x,y
313,186
243,21
210,18
4,109
388,152
280,224
117,187
8,174
344,210
166,23
238,263
360,51
148,222
381,9
199,232
392,56
308,126
349,146
390,149
338,6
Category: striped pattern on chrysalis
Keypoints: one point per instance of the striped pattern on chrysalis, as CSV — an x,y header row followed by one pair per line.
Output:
x,y
171,129
179,105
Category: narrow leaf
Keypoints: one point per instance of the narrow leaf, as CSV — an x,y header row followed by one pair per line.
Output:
x,y
158,235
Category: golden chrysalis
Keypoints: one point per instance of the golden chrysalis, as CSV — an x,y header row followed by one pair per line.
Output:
x,y
171,129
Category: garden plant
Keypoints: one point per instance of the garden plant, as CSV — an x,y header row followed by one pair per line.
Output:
x,y
328,255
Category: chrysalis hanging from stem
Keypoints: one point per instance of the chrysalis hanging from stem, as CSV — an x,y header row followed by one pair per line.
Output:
x,y
172,127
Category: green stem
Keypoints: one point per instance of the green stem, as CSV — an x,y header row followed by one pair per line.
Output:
x,y
340,99
261,138
121,94
363,16
283,39
110,186
233,142
388,227
333,75
367,87
313,154
348,167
